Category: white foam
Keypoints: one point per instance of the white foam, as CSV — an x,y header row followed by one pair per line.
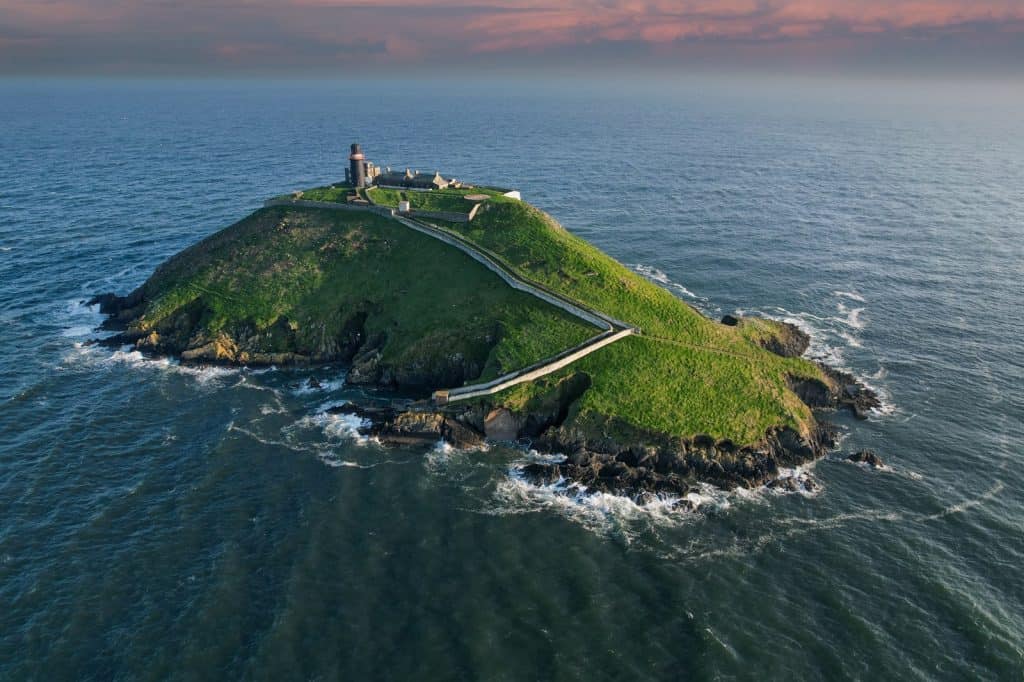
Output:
x,y
596,511
82,319
336,463
266,441
966,505
851,316
337,427
821,346
203,373
659,277
852,295
807,485
97,356
443,454
326,386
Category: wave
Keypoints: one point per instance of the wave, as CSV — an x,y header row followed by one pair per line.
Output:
x,y
612,513
969,504
116,280
825,343
852,316
659,277
336,427
832,336
440,457
97,356
852,295
79,321
326,455
599,512
326,386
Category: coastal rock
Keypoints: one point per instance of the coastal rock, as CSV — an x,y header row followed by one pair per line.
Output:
x,y
365,368
393,426
852,393
730,320
790,341
501,424
843,390
673,467
868,457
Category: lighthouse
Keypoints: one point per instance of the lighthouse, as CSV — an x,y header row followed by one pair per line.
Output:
x,y
357,169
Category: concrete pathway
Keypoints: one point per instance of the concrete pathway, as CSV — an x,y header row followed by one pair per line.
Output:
x,y
612,330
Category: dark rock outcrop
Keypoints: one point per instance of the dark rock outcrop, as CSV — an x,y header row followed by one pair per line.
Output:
x,y
789,341
418,426
501,424
868,457
852,393
675,466
843,390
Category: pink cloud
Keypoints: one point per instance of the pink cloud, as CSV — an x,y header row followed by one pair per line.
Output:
x,y
410,30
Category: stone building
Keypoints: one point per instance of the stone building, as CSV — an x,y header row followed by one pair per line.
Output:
x,y
411,180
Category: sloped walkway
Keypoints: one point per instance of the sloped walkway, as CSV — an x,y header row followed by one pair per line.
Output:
x,y
612,330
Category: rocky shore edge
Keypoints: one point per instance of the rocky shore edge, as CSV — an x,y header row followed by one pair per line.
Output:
x,y
639,465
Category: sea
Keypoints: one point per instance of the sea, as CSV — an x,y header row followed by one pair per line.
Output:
x,y
160,521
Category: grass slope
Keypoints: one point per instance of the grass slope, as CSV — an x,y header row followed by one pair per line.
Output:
x,y
311,269
450,200
685,375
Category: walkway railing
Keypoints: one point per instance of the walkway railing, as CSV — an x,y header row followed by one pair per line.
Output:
x,y
613,330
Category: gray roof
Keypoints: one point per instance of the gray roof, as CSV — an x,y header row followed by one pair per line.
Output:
x,y
401,179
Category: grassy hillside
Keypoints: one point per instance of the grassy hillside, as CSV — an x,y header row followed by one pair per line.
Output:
x,y
685,375
296,280
451,200
293,277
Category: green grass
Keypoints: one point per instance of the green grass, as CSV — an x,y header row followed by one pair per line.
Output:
x,y
685,376
450,200
312,268
336,193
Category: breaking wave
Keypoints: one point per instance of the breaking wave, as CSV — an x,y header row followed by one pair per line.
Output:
x,y
336,427
88,355
660,277
832,336
325,386
619,514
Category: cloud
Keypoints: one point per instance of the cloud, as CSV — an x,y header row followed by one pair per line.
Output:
x,y
327,34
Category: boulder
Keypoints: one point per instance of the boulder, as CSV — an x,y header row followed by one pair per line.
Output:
x,y
500,424
868,457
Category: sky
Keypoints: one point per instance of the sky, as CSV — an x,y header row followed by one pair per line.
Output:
x,y
317,37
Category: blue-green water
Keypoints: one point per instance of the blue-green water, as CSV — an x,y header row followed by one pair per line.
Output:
x,y
159,521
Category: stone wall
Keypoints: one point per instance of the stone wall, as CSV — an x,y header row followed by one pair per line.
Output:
x,y
449,216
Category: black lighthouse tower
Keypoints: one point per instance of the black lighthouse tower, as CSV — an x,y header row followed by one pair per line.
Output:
x,y
357,167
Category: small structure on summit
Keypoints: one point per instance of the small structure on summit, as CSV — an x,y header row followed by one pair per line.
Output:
x,y
460,204
363,173
411,180
360,171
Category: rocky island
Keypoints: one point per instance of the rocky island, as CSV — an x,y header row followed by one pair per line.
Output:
x,y
498,324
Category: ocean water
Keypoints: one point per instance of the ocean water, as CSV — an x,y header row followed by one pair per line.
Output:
x,y
159,521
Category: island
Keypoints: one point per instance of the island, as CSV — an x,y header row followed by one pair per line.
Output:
x,y
484,319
